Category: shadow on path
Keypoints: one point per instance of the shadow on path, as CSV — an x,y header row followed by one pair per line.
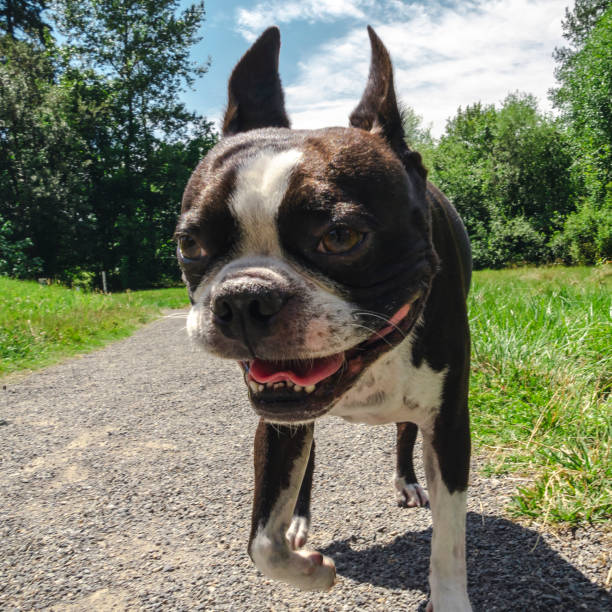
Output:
x,y
510,567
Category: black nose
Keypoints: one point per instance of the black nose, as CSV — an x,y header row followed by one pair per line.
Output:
x,y
247,313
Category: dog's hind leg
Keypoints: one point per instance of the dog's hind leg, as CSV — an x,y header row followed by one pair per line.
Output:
x,y
408,491
297,533
282,455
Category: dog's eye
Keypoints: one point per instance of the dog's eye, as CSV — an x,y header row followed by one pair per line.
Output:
x,y
339,240
189,249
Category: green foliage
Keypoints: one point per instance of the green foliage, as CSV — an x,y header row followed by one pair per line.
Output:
x,y
585,97
416,136
540,386
587,235
508,172
139,52
577,25
513,242
141,47
78,278
22,18
42,169
95,149
529,188
14,260
41,324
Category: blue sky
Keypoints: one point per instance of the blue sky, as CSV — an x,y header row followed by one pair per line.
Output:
x,y
446,53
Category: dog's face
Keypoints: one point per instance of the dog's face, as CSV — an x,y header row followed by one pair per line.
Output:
x,y
307,254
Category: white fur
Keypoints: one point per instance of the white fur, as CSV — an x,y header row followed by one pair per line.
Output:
x,y
261,185
410,493
307,570
411,393
194,320
447,573
297,534
415,394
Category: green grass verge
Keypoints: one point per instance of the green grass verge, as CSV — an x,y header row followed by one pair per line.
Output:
x,y
541,371
540,387
39,325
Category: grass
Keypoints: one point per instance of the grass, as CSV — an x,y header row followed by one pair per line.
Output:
x,y
541,375
540,387
39,325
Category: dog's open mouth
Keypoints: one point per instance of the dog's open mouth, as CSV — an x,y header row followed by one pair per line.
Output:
x,y
302,390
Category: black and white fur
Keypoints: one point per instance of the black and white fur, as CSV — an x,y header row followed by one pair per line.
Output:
x,y
253,217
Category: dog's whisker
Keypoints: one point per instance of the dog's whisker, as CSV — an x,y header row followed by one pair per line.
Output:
x,y
181,330
373,331
370,313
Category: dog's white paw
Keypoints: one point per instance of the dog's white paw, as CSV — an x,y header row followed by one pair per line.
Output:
x,y
297,534
409,495
308,570
449,600
319,570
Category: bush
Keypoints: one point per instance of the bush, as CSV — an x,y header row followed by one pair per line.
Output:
x,y
587,235
14,260
511,242
79,278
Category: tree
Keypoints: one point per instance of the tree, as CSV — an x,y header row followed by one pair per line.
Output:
x,y
41,161
461,166
14,258
416,136
137,52
95,149
578,24
24,17
508,172
142,47
585,101
532,173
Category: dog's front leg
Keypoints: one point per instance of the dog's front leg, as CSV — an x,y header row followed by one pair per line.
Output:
x,y
281,457
297,533
446,452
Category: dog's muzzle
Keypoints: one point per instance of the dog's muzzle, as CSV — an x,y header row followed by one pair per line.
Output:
x,y
246,309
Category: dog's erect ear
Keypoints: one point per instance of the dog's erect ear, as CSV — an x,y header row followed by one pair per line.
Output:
x,y
255,94
377,110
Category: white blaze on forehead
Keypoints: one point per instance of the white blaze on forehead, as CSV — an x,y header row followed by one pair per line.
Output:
x,y
261,185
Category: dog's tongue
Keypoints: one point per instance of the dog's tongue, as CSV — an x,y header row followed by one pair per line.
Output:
x,y
303,373
311,371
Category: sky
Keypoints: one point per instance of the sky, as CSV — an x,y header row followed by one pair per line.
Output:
x,y
446,53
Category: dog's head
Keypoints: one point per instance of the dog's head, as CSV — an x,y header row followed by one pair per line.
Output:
x,y
307,254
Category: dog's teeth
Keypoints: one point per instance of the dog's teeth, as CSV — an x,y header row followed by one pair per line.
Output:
x,y
269,385
297,388
309,388
279,385
260,388
254,386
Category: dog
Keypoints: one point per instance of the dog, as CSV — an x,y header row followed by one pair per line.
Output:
x,y
325,264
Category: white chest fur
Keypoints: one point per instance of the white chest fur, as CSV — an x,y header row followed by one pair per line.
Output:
x,y
393,390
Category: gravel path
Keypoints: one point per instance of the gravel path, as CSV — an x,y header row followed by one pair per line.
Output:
x,y
126,485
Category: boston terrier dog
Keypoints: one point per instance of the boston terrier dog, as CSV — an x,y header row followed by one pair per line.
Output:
x,y
326,265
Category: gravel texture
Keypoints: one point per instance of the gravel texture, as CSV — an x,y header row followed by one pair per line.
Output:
x,y
126,480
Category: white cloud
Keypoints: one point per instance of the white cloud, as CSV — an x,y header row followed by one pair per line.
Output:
x,y
443,59
250,22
